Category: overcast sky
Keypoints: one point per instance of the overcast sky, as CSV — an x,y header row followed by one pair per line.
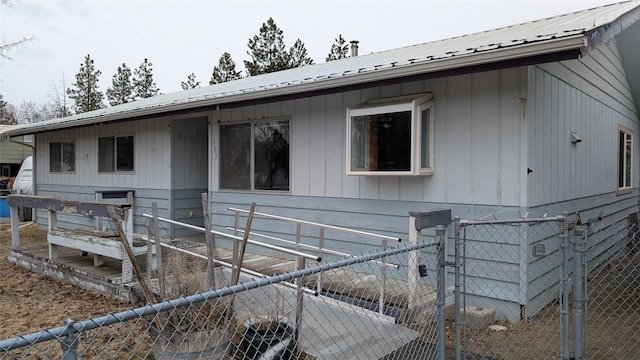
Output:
x,y
180,37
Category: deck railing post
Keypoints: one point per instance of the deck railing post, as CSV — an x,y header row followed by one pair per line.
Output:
x,y
383,277
414,261
321,256
300,265
158,245
236,245
15,234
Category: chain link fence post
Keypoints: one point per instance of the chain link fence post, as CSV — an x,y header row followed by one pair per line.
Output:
x,y
69,342
457,298
564,288
579,248
441,299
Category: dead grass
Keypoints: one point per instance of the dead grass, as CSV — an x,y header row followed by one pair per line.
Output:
x,y
31,302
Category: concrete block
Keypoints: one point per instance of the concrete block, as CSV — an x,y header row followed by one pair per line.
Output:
x,y
477,317
480,317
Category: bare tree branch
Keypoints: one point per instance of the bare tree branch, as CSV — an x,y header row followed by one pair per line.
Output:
x,y
5,47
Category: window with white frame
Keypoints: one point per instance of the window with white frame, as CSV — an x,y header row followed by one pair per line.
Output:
x,y
255,155
625,159
115,154
62,156
391,137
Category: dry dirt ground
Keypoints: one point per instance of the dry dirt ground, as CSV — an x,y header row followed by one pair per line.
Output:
x,y
31,302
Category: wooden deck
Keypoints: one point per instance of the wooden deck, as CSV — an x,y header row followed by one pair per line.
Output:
x,y
72,263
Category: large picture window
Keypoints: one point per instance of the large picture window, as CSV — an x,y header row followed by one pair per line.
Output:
x,y
115,153
391,137
625,160
255,155
62,156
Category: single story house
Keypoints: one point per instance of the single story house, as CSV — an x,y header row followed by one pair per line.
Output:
x,y
539,117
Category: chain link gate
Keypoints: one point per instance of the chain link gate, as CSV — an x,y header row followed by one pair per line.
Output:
x,y
551,288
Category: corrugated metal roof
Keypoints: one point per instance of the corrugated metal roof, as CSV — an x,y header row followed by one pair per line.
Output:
x,y
555,34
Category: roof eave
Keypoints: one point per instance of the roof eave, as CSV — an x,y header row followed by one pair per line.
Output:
x,y
605,32
577,42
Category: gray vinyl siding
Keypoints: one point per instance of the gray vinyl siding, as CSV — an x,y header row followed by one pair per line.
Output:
x,y
476,117
610,238
591,97
152,161
386,217
151,178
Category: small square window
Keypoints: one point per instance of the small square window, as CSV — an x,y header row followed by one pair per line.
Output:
x,y
62,156
391,137
625,160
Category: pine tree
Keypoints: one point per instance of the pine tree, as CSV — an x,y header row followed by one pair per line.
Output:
x,y
143,84
267,51
339,49
191,82
225,71
121,90
298,55
85,90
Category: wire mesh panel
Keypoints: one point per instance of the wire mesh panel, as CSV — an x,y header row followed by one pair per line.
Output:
x,y
349,309
509,308
613,290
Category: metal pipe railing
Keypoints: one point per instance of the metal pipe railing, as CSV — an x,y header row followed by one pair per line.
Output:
x,y
320,249
225,264
239,238
325,226
384,238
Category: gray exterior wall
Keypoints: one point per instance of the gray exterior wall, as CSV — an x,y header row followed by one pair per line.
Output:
x,y
490,129
151,178
475,162
592,97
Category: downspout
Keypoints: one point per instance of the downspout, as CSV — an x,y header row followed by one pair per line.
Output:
x,y
525,171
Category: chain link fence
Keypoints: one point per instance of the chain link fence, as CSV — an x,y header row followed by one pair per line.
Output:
x,y
612,306
548,288
288,316
533,288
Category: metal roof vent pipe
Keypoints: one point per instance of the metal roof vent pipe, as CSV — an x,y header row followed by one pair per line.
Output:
x,y
354,47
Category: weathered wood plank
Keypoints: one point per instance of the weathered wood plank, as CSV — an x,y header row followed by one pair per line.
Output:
x,y
68,206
